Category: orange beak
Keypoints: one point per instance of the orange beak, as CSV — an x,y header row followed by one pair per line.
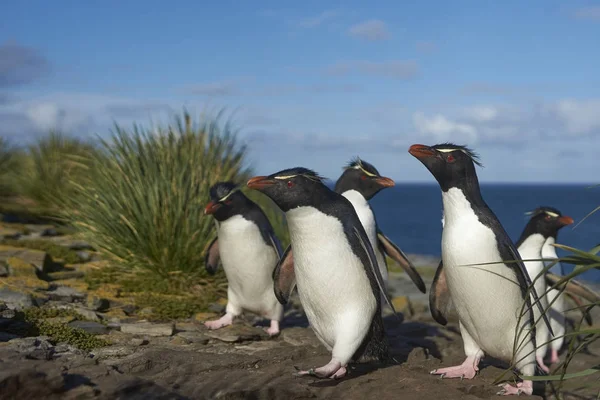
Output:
x,y
384,182
421,151
211,208
260,182
565,220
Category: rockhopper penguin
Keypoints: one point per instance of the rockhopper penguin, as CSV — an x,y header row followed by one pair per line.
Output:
x,y
359,182
334,268
480,273
539,228
248,249
547,221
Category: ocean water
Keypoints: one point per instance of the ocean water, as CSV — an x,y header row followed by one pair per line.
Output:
x,y
410,214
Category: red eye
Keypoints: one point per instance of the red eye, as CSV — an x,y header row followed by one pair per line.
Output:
x,y
363,177
548,217
290,184
450,158
228,202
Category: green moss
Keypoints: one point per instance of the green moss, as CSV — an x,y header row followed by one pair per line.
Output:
x,y
55,251
171,307
37,323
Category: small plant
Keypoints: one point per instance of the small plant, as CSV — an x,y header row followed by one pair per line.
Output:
x,y
10,159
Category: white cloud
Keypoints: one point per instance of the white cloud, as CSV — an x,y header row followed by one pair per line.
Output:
x,y
481,113
371,30
579,117
441,128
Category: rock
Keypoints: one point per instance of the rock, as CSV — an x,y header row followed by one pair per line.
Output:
x,y
193,337
37,258
113,352
3,306
97,303
8,314
66,348
3,270
203,317
186,326
72,244
65,293
146,312
91,327
216,308
41,230
147,328
138,342
16,300
87,314
34,348
61,275
238,333
299,337
60,320
129,309
84,256
9,233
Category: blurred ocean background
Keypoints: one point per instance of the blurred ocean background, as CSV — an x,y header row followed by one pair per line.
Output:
x,y
410,214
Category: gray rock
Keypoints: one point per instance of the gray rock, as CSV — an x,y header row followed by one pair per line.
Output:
x,y
34,348
97,303
72,244
193,337
37,258
65,293
94,328
238,333
16,300
8,314
113,352
87,314
84,256
41,230
3,270
8,233
2,306
149,329
128,309
216,308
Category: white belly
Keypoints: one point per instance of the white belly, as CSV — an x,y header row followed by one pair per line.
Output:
x,y
248,263
531,249
332,283
556,300
367,219
487,298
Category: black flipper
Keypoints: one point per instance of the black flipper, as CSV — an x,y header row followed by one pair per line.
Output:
x,y
284,277
440,301
212,258
398,255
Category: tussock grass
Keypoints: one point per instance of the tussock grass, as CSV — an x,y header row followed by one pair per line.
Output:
x,y
142,198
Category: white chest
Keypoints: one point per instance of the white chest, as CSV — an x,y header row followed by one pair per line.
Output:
x,y
331,279
531,253
242,249
364,212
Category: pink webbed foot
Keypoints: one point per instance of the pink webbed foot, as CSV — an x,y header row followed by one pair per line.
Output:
x,y
554,356
273,329
543,366
222,322
467,370
525,387
333,370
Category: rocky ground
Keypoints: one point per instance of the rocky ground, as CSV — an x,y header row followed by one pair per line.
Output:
x,y
59,338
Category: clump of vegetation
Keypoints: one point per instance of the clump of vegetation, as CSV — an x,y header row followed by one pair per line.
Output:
x,y
273,213
171,307
55,251
39,323
143,197
50,166
10,159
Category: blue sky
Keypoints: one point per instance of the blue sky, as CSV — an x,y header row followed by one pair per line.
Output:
x,y
316,83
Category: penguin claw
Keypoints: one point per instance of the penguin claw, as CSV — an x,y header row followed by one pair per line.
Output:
x,y
432,372
442,376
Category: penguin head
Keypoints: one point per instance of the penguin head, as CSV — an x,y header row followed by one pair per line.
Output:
x,y
290,188
363,177
452,165
546,221
226,200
